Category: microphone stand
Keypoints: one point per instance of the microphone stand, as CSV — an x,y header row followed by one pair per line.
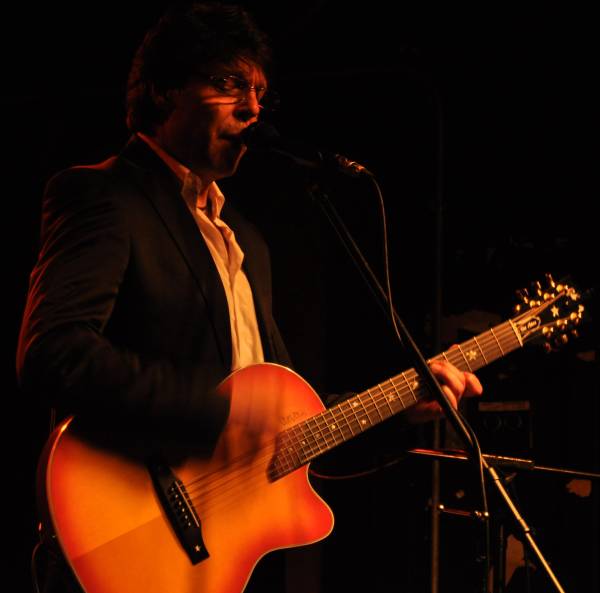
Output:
x,y
516,463
509,463
421,366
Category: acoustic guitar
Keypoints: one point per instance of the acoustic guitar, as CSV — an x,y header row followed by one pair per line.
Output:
x,y
202,525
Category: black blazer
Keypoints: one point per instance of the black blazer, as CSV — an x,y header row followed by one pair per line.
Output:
x,y
126,316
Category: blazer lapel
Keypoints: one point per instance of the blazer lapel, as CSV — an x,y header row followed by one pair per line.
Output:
x,y
162,189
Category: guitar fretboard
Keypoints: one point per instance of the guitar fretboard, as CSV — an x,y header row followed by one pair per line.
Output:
x,y
310,438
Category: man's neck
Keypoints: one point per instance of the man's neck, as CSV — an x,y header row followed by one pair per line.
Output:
x,y
178,168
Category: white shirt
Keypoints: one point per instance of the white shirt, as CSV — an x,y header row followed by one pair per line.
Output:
x,y
228,258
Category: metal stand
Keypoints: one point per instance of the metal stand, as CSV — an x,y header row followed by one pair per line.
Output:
x,y
512,463
421,366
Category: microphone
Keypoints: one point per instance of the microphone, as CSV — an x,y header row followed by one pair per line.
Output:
x,y
264,136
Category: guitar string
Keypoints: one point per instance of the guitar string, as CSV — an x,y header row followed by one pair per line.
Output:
x,y
209,505
497,334
341,423
339,416
320,425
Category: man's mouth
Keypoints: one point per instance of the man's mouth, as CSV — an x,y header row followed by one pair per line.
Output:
x,y
234,139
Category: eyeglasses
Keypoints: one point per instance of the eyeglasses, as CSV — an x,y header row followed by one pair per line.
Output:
x,y
235,86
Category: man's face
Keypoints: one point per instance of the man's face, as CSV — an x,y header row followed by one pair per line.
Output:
x,y
208,116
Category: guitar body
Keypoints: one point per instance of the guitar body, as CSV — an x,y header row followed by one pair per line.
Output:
x,y
104,511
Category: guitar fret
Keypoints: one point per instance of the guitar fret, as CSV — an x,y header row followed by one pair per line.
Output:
x,y
300,443
334,428
291,454
464,357
331,430
317,438
312,440
368,392
282,463
366,418
346,431
458,356
323,431
400,394
354,404
492,347
307,439
396,398
480,349
386,398
348,423
497,341
410,386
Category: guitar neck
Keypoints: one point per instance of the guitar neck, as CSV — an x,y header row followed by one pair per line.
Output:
x,y
312,437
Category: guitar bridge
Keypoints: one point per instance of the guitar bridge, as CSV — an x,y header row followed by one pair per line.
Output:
x,y
179,509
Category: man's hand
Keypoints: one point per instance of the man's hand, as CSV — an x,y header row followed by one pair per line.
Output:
x,y
455,384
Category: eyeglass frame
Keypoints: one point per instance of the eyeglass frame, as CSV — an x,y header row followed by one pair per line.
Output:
x,y
242,88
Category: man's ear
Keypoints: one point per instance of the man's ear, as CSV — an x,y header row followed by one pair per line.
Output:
x,y
163,100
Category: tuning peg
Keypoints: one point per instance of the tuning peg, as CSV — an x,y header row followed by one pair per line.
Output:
x,y
522,295
573,295
550,281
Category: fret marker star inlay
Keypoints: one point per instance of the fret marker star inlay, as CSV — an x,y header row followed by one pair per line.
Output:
x,y
471,355
555,311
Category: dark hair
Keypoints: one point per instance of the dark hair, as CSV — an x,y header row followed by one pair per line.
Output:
x,y
183,42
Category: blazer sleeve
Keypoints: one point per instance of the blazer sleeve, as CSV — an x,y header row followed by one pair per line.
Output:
x,y
63,353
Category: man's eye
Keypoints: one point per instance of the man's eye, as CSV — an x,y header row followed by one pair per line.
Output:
x,y
238,83
223,84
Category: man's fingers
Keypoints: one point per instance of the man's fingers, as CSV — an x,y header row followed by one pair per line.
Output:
x,y
450,395
473,386
449,375
454,383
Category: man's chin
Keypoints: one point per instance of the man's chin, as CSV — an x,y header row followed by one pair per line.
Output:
x,y
229,168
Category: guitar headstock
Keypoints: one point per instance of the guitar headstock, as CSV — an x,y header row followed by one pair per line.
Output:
x,y
549,312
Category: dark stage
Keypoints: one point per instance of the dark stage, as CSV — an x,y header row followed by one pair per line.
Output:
x,y
484,121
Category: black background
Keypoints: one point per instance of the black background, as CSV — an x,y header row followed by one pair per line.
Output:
x,y
493,111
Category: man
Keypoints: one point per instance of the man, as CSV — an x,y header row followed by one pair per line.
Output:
x,y
150,288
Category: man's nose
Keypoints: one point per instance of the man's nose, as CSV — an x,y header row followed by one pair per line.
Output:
x,y
249,105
